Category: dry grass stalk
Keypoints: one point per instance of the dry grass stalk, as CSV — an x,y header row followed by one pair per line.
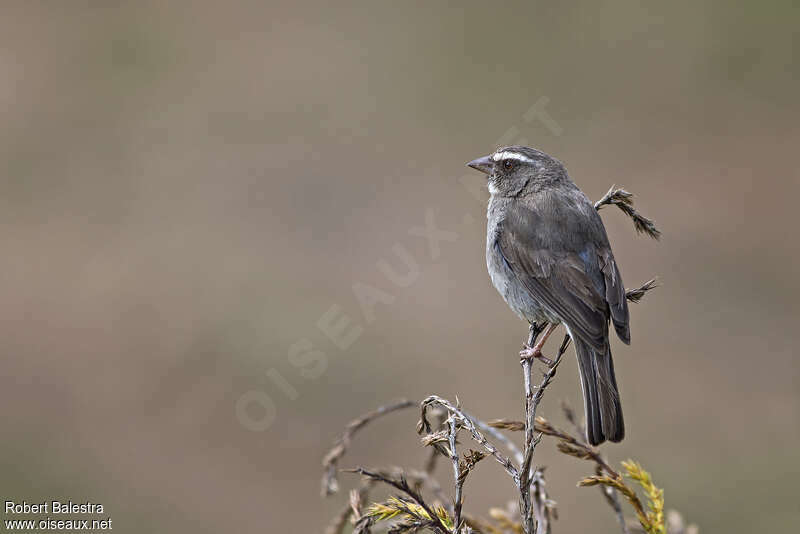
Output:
x,y
635,295
624,201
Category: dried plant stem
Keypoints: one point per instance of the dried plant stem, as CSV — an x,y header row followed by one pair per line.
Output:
x,y
568,444
548,376
635,295
544,509
524,481
466,422
330,483
423,478
532,401
574,446
459,480
497,436
624,201
420,479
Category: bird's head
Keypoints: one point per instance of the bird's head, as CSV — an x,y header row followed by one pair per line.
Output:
x,y
512,169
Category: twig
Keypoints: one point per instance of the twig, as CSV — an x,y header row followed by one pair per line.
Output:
x,y
636,294
624,201
330,483
532,402
526,510
425,427
499,436
545,507
573,446
569,444
423,478
420,479
458,479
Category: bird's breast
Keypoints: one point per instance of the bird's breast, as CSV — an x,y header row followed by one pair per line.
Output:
x,y
508,285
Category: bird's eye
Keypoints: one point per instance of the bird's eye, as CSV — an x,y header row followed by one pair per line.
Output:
x,y
508,164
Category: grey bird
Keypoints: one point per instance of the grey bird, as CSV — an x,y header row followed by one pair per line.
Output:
x,y
548,255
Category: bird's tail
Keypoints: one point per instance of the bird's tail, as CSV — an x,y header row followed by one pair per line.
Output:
x,y
600,394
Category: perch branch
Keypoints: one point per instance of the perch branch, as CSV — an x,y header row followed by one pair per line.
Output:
x,y
532,401
573,446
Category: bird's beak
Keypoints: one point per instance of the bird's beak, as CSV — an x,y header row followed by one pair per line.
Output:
x,y
484,164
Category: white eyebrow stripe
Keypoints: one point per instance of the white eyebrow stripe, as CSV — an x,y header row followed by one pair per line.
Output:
x,y
511,155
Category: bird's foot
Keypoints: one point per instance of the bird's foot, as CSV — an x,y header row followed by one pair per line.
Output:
x,y
530,353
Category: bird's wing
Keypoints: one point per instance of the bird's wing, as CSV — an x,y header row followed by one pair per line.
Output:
x,y
615,294
575,275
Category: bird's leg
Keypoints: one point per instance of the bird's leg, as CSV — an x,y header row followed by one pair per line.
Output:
x,y
533,332
535,351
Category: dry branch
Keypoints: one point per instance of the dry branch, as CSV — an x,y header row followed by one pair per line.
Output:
x,y
532,401
458,502
330,483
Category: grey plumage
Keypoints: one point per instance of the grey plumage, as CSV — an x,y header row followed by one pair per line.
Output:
x,y
548,255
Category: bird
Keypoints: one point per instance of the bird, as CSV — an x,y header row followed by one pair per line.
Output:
x,y
548,255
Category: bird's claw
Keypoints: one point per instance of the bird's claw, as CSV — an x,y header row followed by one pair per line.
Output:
x,y
529,353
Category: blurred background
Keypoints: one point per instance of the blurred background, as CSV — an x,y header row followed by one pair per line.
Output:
x,y
191,189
